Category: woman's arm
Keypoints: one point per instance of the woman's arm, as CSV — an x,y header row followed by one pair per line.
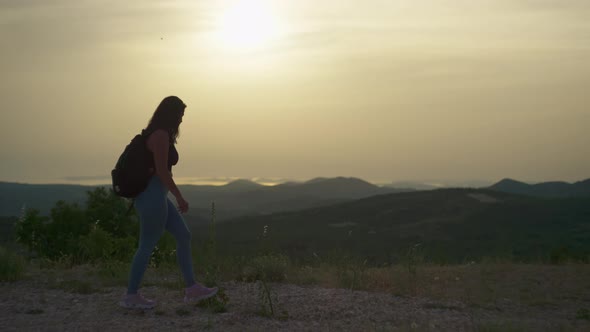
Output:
x,y
159,143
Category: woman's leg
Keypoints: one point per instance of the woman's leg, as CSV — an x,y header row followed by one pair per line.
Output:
x,y
175,224
153,210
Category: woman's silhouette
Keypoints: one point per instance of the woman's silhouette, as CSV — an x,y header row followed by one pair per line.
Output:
x,y
157,213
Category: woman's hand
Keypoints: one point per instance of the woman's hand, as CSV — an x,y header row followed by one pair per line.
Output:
x,y
182,204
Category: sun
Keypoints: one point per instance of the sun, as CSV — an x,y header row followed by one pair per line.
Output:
x,y
248,25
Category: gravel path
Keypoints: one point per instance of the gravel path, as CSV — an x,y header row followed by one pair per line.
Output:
x,y
26,307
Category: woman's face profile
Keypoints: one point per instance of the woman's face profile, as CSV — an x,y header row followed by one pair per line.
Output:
x,y
181,115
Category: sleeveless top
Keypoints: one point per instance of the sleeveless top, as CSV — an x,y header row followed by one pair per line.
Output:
x,y
172,152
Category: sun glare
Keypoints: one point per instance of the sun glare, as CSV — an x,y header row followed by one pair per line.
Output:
x,y
248,25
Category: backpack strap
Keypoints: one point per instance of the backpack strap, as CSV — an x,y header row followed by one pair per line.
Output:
x,y
145,133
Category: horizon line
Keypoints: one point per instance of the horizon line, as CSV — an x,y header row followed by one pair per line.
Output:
x,y
273,181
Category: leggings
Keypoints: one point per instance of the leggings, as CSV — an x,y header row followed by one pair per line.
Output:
x,y
156,214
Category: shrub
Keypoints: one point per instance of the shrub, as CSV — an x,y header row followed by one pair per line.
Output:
x,y
124,248
98,244
68,223
12,266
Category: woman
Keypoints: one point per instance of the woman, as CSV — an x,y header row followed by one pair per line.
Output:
x,y
157,213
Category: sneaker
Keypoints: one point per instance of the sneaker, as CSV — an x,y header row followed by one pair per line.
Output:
x,y
136,301
198,292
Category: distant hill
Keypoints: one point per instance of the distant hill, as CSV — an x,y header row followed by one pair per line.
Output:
x,y
330,188
242,185
237,198
438,184
411,185
261,200
544,189
451,225
13,196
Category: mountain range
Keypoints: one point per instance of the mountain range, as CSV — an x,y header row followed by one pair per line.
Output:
x,y
544,189
244,197
239,197
247,198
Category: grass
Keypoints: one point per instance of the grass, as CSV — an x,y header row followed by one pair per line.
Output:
x,y
441,306
271,267
303,275
460,288
477,285
182,312
113,273
480,285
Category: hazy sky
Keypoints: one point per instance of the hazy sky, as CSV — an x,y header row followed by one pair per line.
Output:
x,y
382,90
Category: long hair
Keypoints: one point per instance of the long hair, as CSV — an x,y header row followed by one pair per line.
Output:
x,y
167,116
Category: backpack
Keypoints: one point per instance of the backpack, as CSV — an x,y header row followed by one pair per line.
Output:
x,y
133,169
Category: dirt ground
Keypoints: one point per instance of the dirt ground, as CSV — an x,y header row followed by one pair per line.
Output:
x,y
30,306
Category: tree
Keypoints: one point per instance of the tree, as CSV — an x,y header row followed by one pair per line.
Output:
x,y
111,213
104,229
30,230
